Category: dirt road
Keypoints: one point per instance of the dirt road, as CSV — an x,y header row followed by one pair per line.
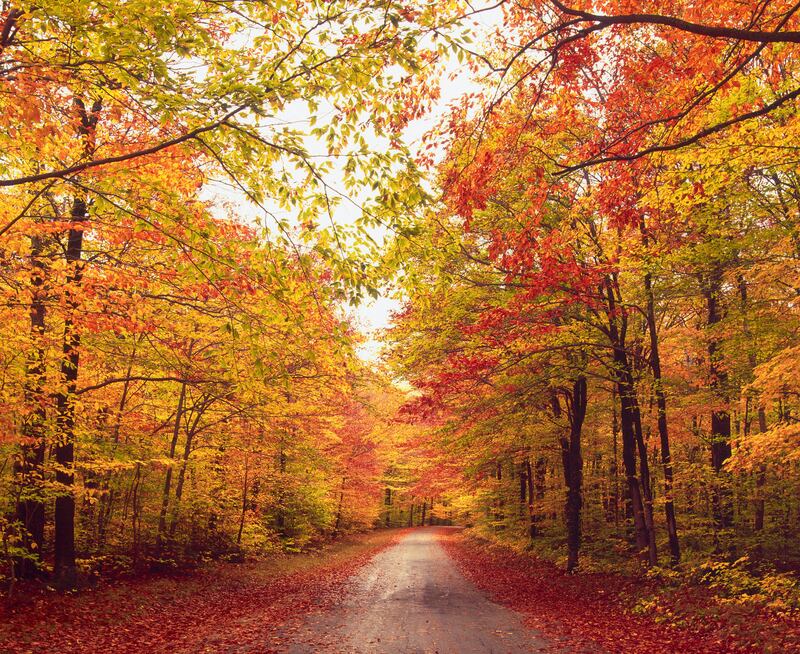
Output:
x,y
411,599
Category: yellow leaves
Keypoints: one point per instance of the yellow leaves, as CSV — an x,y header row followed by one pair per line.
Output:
x,y
778,447
777,377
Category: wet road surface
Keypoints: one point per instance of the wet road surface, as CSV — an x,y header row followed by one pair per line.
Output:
x,y
411,599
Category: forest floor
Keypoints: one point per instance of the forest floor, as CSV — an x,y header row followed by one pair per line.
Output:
x,y
591,612
431,590
223,607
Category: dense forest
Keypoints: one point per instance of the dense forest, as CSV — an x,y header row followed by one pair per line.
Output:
x,y
179,377
601,313
594,248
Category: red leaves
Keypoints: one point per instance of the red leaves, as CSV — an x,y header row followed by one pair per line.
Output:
x,y
215,610
592,612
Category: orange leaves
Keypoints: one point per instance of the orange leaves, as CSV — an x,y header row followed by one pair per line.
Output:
x,y
469,190
589,611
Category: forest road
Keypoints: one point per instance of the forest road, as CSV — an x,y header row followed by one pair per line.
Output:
x,y
411,599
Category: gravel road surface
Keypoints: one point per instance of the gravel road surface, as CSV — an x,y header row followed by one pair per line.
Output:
x,y
411,599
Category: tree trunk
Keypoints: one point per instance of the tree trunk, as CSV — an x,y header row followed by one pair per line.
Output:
x,y
64,545
533,530
339,507
760,480
663,431
137,479
629,414
540,486
573,470
630,420
647,487
280,517
722,507
64,541
165,493
613,505
387,501
29,466
187,451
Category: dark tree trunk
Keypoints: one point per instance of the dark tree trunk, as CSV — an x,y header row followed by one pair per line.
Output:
x,y
629,418
663,430
64,544
522,476
339,507
573,469
722,506
387,502
280,517
529,491
760,478
29,467
533,530
137,479
64,540
540,479
613,504
647,486
187,451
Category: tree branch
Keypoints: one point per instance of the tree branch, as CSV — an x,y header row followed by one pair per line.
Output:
x,y
120,380
691,140
77,168
712,31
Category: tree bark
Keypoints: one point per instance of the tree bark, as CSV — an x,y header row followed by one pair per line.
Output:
x,y
340,506
630,422
187,451
614,470
761,472
64,540
29,466
280,517
165,493
663,427
64,543
533,529
722,507
573,469
761,477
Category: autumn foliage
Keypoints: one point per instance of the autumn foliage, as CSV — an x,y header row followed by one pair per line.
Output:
x,y
179,373
600,309
595,248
